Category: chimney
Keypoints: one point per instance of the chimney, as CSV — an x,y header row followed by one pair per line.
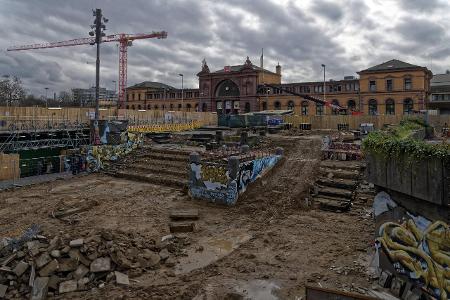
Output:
x,y
278,69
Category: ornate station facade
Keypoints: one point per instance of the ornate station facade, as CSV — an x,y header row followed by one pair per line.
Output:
x,y
393,87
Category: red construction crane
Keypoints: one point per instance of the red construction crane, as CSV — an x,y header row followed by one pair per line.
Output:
x,y
124,40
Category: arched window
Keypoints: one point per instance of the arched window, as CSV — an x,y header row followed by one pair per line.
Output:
x,y
264,106
149,107
227,88
277,105
188,107
179,106
196,107
156,106
390,107
373,107
132,107
204,107
247,107
335,111
128,107
305,105
407,106
290,105
351,105
139,107
319,109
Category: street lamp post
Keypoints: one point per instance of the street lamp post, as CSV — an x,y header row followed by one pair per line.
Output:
x,y
46,98
324,87
182,91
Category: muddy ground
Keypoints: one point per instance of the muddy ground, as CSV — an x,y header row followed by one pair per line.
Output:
x,y
268,246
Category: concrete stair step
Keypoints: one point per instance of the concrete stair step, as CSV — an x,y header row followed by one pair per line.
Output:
x,y
338,183
151,149
155,162
339,173
335,192
333,203
177,171
151,178
163,156
344,165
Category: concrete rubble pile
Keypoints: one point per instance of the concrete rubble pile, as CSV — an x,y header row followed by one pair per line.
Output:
x,y
42,266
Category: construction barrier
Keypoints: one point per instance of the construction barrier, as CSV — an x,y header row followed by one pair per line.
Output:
x,y
155,128
9,166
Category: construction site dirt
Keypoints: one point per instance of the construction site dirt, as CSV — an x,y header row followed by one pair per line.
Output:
x,y
267,246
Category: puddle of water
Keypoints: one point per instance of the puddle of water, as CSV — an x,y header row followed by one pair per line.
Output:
x,y
258,289
213,250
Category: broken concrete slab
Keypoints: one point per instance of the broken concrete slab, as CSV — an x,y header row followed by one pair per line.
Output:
x,y
49,269
68,286
9,259
3,289
75,254
152,258
20,268
184,214
181,227
40,288
42,260
53,282
76,243
101,264
83,283
164,254
121,278
80,272
68,264
55,253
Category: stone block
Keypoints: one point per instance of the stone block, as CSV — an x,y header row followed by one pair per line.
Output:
x,y
68,264
75,254
121,278
101,264
83,283
164,254
53,282
3,289
80,272
42,260
184,214
181,227
76,243
40,288
55,253
68,286
20,268
151,257
49,269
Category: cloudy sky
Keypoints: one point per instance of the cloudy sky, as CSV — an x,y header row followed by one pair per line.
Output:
x,y
346,35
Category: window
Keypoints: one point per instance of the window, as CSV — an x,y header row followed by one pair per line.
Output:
x,y
148,96
316,89
139,97
277,105
305,105
372,86
172,95
264,106
247,107
389,86
348,87
319,109
390,107
139,107
157,96
171,106
356,86
149,107
204,107
290,105
407,106
132,96
408,83
179,106
335,111
128,107
132,107
373,107
164,107
351,105
156,107
188,107
434,97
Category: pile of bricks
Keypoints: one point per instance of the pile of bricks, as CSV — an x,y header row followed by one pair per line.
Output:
x,y
42,267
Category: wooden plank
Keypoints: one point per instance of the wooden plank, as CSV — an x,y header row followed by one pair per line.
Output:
x,y
184,214
318,293
178,227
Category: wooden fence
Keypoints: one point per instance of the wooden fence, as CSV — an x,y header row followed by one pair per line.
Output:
x,y
9,166
331,122
18,115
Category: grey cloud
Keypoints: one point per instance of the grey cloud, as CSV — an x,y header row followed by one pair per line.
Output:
x,y
328,9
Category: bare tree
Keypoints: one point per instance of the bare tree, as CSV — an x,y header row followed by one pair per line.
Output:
x,y
11,91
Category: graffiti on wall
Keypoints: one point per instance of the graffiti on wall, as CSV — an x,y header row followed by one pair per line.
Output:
x,y
254,169
419,249
213,182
